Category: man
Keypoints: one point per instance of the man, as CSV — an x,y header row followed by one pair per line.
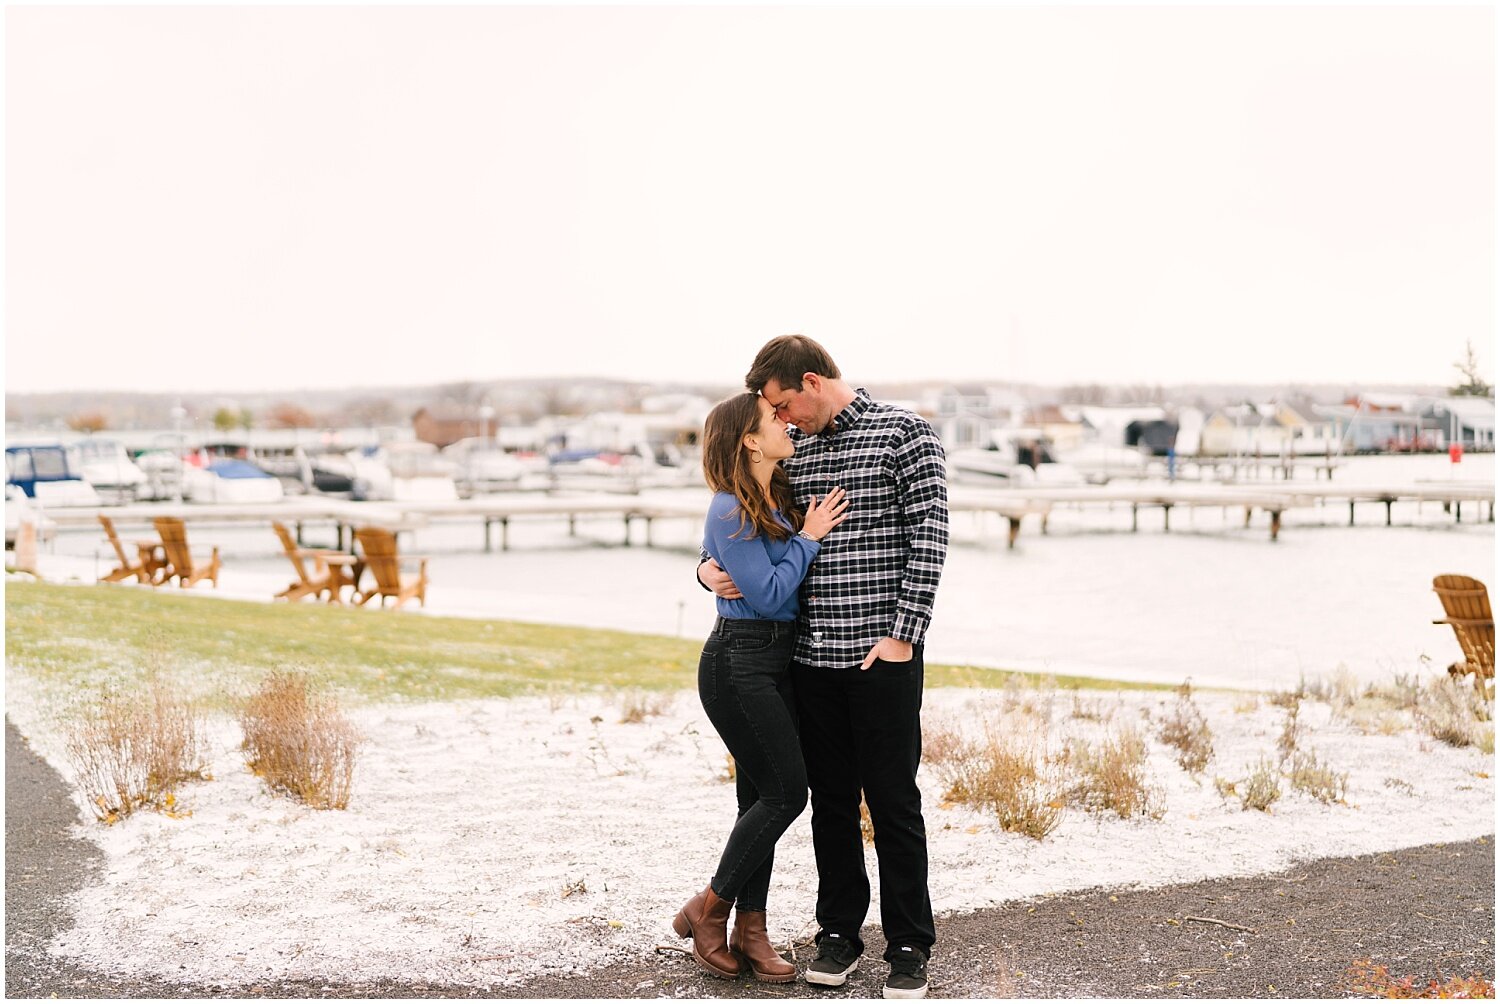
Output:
x,y
858,666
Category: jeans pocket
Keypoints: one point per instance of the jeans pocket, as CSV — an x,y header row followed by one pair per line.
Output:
x,y
711,668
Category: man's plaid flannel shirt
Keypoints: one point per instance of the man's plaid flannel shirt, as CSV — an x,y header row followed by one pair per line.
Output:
x,y
878,571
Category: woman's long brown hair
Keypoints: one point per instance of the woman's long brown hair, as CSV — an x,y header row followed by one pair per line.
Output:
x,y
727,467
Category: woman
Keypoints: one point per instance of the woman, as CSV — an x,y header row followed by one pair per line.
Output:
x,y
744,675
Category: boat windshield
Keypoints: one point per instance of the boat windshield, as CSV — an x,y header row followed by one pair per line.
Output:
x,y
50,464
99,449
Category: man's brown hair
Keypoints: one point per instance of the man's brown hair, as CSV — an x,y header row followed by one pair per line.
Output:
x,y
785,359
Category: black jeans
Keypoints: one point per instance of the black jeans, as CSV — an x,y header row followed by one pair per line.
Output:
x,y
745,683
862,731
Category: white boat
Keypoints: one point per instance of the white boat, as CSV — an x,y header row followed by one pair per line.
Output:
x,y
230,481
480,466
403,472
105,465
1015,457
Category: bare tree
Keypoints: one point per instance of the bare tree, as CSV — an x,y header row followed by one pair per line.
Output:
x,y
286,415
1473,385
88,421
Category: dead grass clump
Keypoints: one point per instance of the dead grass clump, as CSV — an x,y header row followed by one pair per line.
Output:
x,y
1339,691
1313,777
1286,745
1005,776
1366,978
941,743
866,824
1245,705
1451,711
1090,710
300,742
1286,698
1111,776
135,750
1261,788
1187,731
1033,702
638,705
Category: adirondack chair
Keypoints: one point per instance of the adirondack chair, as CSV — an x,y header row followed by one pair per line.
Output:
x,y
384,565
321,580
1467,604
181,563
149,561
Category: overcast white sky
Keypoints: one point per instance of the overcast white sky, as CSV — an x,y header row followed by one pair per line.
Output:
x,y
254,198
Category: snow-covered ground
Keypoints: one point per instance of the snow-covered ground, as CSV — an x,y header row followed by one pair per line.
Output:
x,y
471,821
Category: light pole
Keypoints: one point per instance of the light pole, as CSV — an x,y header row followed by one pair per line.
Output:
x,y
486,415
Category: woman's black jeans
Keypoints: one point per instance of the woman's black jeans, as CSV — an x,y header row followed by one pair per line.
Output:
x,y
745,683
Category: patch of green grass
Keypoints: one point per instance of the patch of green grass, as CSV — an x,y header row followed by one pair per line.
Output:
x,y
73,638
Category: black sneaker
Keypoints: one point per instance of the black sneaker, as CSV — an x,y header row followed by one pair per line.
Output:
x,y
908,979
837,958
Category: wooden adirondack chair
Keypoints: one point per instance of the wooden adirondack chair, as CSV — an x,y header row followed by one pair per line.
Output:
x,y
181,563
319,582
149,561
384,565
1467,604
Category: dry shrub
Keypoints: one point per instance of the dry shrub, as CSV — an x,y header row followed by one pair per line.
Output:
x,y
1315,778
1187,731
1261,788
941,743
135,750
1452,711
1090,710
866,824
1111,776
1004,776
1366,978
1376,708
1339,692
1286,698
638,705
300,742
1034,702
1286,745
1245,705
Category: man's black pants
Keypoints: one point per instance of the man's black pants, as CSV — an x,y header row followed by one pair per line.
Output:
x,y
861,731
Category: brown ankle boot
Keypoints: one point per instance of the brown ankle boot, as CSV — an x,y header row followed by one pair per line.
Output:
x,y
704,918
751,941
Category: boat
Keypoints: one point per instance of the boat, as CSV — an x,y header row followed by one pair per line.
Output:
x,y
230,481
480,466
403,472
49,474
1014,457
105,464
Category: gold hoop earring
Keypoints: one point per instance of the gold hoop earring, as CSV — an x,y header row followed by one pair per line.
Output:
x,y
754,459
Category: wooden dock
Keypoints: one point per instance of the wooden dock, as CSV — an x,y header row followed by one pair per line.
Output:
x,y
1014,505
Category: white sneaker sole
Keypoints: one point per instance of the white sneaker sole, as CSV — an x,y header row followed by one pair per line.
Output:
x,y
831,979
890,993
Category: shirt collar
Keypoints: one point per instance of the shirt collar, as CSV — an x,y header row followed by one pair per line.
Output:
x,y
852,413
